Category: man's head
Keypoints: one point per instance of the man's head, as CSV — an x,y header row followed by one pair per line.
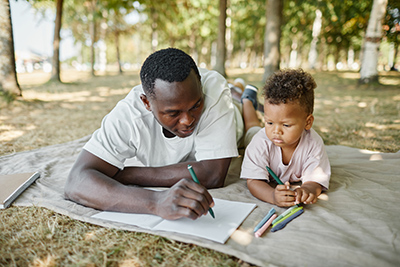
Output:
x,y
173,91
170,65
291,85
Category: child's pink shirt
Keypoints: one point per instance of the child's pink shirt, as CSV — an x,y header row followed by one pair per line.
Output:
x,y
309,161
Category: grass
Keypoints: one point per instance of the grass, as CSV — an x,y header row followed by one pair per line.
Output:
x,y
361,116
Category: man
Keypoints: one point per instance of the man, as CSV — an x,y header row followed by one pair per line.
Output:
x,y
180,115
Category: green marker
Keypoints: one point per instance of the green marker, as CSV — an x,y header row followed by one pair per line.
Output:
x,y
278,181
194,177
284,214
288,215
274,176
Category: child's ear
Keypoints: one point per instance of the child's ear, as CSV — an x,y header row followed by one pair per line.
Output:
x,y
309,122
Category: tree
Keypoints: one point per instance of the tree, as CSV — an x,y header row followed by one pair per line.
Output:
x,y
392,29
8,76
312,55
272,37
221,47
55,73
372,40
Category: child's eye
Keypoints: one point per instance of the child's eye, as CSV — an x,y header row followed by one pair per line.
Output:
x,y
286,125
269,123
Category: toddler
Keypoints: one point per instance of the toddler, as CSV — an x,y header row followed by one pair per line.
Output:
x,y
287,144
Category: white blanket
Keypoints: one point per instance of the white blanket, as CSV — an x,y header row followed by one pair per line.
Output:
x,y
356,223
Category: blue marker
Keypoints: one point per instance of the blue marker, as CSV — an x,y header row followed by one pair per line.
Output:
x,y
263,221
282,224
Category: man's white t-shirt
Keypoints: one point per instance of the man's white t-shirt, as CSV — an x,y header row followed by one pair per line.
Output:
x,y
309,161
131,131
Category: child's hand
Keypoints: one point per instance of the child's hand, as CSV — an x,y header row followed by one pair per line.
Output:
x,y
283,196
308,193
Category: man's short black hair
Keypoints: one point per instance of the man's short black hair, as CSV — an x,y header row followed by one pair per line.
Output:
x,y
170,65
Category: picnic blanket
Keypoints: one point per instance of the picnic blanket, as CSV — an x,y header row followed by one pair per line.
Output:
x,y
355,223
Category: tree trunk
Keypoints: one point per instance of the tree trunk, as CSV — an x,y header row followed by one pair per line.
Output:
x,y
372,40
221,48
8,76
55,72
118,53
313,54
272,37
93,36
154,34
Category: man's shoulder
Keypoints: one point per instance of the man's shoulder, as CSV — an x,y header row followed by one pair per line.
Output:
x,y
131,106
212,78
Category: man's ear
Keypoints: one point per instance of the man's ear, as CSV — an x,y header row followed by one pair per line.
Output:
x,y
309,122
145,101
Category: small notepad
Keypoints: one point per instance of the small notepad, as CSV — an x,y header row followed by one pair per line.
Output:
x,y
228,216
12,185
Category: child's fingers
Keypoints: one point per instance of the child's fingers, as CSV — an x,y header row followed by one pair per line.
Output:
x,y
311,199
287,184
300,196
284,198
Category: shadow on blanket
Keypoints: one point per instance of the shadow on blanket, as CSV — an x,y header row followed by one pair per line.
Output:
x,y
356,223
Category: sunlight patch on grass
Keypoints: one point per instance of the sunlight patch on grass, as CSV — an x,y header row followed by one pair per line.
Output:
x,y
48,261
389,81
349,75
381,126
362,105
396,98
133,262
10,135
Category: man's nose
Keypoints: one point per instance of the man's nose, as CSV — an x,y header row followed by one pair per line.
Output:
x,y
187,119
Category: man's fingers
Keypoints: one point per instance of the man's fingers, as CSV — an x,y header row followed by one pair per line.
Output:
x,y
197,192
190,199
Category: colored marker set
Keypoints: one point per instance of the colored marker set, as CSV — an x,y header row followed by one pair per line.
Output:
x,y
278,222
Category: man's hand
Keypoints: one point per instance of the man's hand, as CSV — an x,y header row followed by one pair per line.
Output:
x,y
184,199
283,196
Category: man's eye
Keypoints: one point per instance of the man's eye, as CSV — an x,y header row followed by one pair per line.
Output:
x,y
197,105
173,115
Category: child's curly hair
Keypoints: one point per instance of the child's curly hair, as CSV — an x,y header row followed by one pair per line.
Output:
x,y
290,85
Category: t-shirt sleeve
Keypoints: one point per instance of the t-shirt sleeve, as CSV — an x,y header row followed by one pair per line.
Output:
x,y
256,158
216,136
111,142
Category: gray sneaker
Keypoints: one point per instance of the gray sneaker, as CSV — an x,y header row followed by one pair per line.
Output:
x,y
250,92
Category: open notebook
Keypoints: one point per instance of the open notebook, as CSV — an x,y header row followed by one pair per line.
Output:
x,y
228,216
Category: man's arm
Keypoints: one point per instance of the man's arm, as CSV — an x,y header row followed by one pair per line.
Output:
x,y
92,184
211,173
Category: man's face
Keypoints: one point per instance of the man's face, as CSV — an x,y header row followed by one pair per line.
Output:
x,y
177,106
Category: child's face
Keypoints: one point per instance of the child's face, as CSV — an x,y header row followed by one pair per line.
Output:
x,y
284,123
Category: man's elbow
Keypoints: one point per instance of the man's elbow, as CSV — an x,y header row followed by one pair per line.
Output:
x,y
71,191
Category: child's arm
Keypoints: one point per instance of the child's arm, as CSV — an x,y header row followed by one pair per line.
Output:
x,y
280,195
308,193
